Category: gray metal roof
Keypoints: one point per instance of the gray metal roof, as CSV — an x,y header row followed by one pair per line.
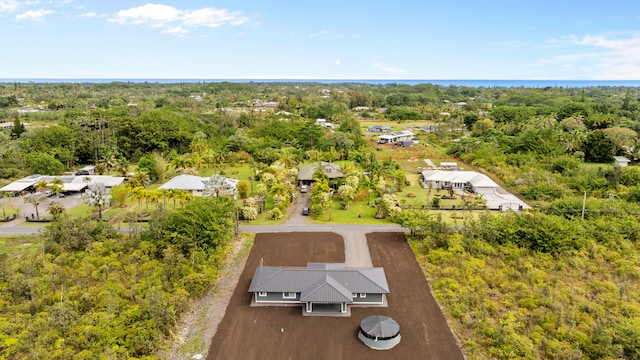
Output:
x,y
321,284
332,170
327,290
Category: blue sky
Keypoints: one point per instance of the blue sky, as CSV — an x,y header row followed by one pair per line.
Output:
x,y
347,39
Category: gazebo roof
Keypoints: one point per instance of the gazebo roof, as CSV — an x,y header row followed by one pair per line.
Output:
x,y
380,327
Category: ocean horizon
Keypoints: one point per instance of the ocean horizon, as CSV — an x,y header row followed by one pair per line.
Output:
x,y
452,82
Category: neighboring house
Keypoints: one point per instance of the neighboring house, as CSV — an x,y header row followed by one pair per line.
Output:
x,y
325,124
379,128
394,137
461,180
87,170
496,198
319,287
621,161
69,183
196,184
305,174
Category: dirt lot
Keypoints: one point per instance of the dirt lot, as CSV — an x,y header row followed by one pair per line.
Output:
x,y
283,333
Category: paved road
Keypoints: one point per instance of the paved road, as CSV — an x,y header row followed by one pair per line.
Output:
x,y
355,240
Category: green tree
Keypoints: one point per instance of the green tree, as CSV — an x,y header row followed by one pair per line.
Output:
x,y
119,195
43,163
97,195
203,224
598,147
148,164
35,200
5,202
57,211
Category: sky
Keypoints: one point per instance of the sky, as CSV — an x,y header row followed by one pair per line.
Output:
x,y
328,39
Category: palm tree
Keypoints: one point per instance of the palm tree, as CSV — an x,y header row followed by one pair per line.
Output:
x,y
138,193
288,157
122,166
5,202
97,195
152,196
185,196
57,185
214,185
35,200
165,193
109,162
140,179
41,185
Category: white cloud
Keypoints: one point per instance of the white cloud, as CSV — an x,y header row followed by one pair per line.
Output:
x,y
8,6
388,69
175,21
610,56
319,33
338,61
34,15
238,34
90,14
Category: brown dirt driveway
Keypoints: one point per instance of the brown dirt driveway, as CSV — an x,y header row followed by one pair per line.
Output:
x,y
283,333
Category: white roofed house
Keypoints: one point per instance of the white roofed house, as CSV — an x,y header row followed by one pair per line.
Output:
x,y
197,185
496,198
69,183
396,137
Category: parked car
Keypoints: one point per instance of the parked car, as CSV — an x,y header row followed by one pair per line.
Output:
x,y
304,188
305,211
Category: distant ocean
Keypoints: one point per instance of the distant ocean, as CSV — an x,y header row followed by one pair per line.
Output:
x,y
467,83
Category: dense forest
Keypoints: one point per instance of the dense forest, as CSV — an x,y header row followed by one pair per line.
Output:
x,y
557,281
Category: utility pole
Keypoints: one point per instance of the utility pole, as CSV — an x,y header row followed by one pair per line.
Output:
x,y
584,204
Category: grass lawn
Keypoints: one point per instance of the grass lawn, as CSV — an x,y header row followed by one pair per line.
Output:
x,y
358,213
10,244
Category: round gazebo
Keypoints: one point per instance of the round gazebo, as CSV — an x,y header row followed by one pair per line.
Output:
x,y
379,332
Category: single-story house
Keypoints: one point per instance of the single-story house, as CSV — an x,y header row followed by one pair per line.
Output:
x,y
621,161
462,180
395,137
305,174
69,183
319,287
496,198
379,128
196,184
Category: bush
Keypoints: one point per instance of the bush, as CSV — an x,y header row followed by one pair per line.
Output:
x,y
196,284
275,214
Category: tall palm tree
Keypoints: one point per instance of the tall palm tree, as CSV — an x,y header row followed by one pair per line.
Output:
x,y
97,195
185,196
138,193
35,200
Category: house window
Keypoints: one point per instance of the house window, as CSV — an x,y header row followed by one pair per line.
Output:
x,y
262,293
289,295
363,295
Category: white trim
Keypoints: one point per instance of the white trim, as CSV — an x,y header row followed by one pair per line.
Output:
x,y
287,295
262,293
363,295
